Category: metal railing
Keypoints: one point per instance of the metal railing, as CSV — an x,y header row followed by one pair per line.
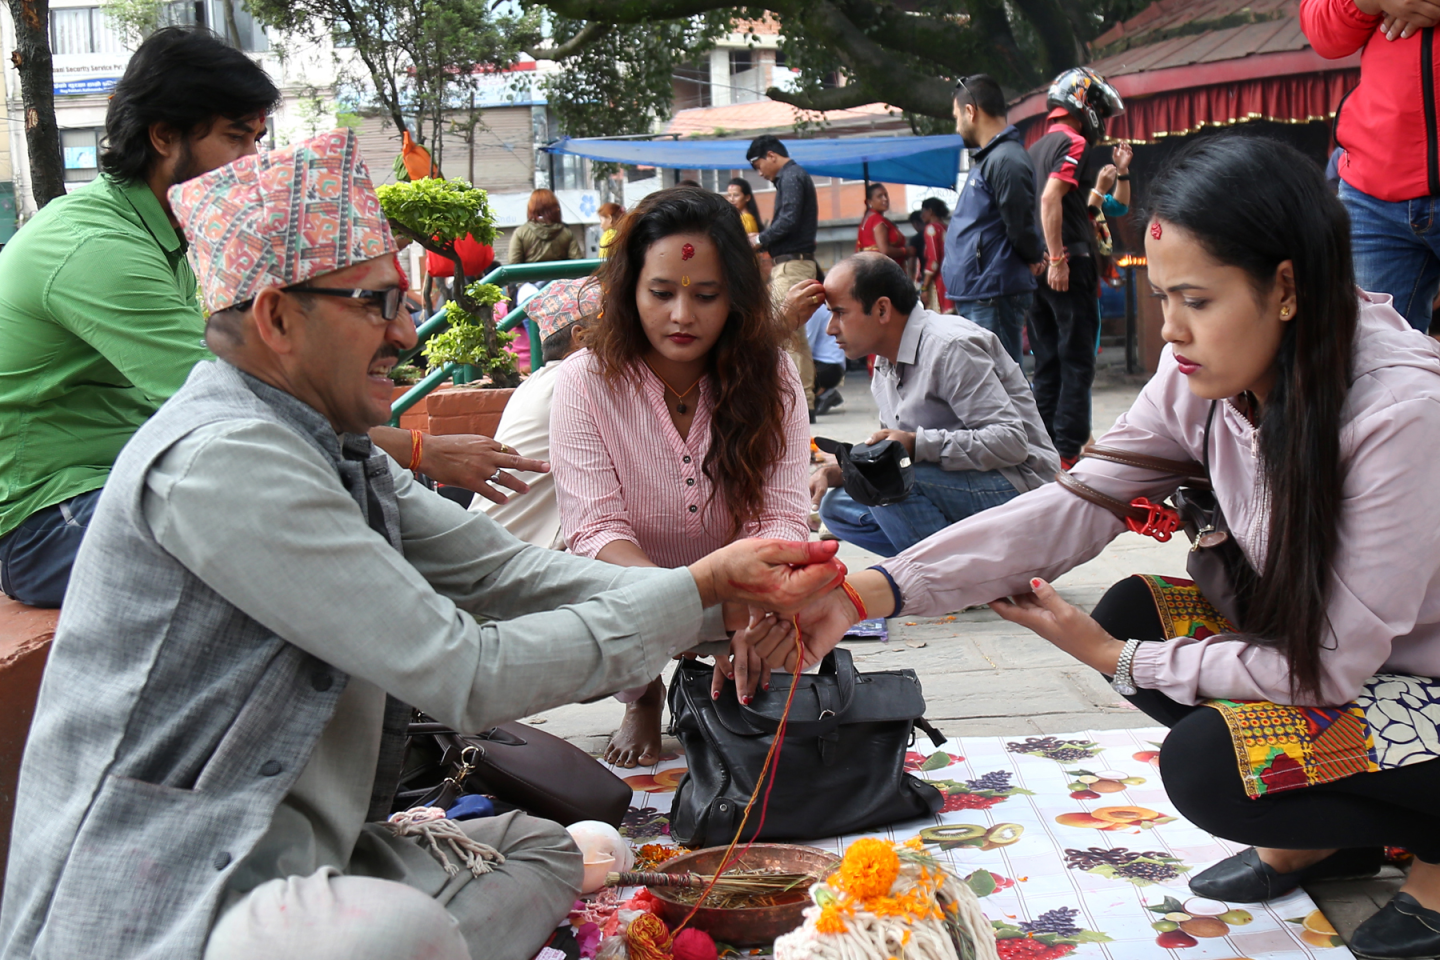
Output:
x,y
537,273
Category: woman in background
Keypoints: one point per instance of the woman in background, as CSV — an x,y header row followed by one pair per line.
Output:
x,y
742,198
543,236
684,424
932,287
878,233
610,214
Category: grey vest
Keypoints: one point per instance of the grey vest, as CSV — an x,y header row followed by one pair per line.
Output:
x,y
169,725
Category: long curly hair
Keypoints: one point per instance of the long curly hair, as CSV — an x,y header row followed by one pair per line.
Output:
x,y
750,400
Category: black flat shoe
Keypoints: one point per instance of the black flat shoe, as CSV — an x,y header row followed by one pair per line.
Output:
x,y
1402,930
1245,878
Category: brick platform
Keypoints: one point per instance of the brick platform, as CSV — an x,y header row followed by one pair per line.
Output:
x,y
453,410
25,634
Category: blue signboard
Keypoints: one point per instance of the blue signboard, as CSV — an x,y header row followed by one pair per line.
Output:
x,y
88,85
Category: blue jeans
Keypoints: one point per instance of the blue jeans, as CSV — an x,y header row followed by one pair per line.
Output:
x,y
1396,246
1002,316
938,499
36,557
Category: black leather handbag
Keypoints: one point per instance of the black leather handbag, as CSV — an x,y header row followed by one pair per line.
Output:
x,y
841,768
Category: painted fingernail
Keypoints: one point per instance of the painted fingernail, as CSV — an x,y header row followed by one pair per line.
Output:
x,y
714,694
1035,583
746,700
765,686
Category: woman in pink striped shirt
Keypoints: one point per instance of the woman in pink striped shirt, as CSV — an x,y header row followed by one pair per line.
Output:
x,y
683,427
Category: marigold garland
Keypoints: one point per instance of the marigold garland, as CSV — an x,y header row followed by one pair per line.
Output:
x,y
886,900
868,870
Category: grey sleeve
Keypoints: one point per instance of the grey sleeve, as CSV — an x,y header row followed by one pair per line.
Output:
x,y
994,433
1012,180
297,557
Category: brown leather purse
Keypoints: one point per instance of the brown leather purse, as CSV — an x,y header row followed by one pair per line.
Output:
x,y
515,764
1216,563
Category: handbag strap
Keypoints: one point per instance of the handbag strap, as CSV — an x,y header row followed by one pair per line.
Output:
x,y
1192,472
1141,515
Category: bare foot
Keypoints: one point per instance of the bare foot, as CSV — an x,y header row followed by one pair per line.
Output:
x,y
637,742
1424,884
1288,861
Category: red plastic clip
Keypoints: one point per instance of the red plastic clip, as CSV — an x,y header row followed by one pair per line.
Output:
x,y
1160,523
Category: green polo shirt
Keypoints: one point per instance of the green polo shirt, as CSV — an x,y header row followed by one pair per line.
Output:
x,y
99,325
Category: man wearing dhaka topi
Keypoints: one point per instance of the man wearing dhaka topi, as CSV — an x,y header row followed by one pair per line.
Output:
x,y
262,597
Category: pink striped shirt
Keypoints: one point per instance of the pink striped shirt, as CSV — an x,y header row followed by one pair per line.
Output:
x,y
623,473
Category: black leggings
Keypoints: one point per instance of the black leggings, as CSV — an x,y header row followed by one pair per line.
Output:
x,y
1396,807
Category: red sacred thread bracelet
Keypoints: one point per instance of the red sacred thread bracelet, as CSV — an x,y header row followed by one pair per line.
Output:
x,y
854,596
417,444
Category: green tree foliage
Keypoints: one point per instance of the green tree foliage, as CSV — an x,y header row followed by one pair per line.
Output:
x,y
435,214
903,52
412,58
623,80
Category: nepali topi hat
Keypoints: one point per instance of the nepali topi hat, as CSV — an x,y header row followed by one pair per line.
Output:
x,y
280,218
562,303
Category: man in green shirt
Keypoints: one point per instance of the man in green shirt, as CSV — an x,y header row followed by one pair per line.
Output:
x,y
99,319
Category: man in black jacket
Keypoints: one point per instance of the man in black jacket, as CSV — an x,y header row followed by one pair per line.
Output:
x,y
789,239
992,250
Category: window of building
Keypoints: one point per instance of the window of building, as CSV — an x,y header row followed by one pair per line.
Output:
x,y
740,61
568,172
250,36
779,58
80,150
692,85
82,30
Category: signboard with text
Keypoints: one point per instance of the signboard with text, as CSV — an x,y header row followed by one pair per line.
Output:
x,y
88,85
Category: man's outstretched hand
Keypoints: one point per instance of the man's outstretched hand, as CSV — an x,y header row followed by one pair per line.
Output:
x,y
777,575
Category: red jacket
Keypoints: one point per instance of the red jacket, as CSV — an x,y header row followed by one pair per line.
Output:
x,y
1387,124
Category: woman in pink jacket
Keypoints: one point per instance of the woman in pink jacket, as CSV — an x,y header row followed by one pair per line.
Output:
x,y
683,427
1310,729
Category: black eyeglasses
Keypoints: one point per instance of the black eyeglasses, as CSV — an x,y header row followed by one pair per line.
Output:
x,y
388,299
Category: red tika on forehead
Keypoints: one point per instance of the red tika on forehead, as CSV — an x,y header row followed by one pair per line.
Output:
x,y
1155,230
686,252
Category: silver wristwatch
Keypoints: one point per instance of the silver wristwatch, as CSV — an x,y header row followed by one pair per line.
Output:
x,y
1124,682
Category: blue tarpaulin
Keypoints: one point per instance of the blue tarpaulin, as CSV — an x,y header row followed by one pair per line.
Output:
x,y
925,161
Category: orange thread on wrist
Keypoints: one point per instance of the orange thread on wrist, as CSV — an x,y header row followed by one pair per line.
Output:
x,y
417,444
854,596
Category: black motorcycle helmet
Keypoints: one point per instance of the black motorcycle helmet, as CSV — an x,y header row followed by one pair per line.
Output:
x,y
1085,94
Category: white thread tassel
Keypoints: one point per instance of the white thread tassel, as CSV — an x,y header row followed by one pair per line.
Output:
x,y
429,825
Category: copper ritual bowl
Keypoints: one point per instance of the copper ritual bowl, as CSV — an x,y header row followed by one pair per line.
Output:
x,y
745,926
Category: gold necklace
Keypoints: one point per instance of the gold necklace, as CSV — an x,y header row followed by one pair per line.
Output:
x,y
679,397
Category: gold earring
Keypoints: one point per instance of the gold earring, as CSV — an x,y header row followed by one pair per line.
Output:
x,y
1284,313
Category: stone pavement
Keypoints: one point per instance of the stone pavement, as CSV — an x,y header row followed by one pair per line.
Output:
x,y
983,676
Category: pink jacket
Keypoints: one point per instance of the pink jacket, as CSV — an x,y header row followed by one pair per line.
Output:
x,y
1385,602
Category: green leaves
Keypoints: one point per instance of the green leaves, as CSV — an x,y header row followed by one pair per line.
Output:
x,y
982,882
1168,905
464,343
439,211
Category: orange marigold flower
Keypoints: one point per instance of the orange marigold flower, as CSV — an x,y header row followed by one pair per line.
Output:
x,y
869,868
829,920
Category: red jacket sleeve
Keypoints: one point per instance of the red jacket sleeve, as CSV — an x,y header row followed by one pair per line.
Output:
x,y
1336,28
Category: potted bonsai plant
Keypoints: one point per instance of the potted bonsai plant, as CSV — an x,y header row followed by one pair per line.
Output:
x,y
437,214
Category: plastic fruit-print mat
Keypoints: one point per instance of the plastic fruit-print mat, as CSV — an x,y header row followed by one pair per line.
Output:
x,y
1072,846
